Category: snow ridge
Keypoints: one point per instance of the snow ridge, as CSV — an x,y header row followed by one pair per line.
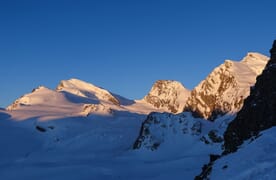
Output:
x,y
87,90
38,96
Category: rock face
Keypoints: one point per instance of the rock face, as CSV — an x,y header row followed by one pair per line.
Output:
x,y
98,109
158,127
225,89
259,110
167,94
167,128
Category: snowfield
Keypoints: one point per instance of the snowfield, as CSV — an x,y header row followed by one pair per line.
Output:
x,y
94,147
80,133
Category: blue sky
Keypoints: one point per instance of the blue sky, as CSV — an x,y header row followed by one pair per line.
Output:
x,y
124,46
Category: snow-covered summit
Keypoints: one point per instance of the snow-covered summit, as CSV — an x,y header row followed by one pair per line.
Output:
x,y
45,103
71,98
226,87
168,94
39,95
255,61
87,90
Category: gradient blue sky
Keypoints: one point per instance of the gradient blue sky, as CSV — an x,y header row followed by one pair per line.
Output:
x,y
124,46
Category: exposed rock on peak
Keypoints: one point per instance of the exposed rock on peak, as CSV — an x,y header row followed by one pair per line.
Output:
x,y
168,94
259,110
40,88
226,87
98,109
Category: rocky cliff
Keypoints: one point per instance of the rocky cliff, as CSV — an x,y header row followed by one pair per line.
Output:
x,y
259,110
226,87
169,95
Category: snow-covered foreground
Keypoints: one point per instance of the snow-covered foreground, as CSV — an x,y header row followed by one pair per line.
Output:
x,y
94,147
254,160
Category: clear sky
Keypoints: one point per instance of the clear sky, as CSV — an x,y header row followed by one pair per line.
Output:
x,y
124,46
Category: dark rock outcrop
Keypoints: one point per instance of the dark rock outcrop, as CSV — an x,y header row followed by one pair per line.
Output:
x,y
259,110
207,168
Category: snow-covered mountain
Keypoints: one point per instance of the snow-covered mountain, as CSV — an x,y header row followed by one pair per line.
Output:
x,y
223,91
169,95
259,110
250,138
74,97
78,125
87,90
44,103
226,87
81,131
256,159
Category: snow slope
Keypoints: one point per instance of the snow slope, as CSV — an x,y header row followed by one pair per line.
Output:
x,y
94,147
44,103
254,160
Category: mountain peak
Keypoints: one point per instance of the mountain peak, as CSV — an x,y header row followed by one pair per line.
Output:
x,y
258,112
76,83
40,88
226,87
254,56
255,61
168,94
39,95
87,90
161,84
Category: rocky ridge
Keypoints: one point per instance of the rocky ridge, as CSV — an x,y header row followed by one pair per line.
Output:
x,y
259,110
160,128
222,93
167,94
226,87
